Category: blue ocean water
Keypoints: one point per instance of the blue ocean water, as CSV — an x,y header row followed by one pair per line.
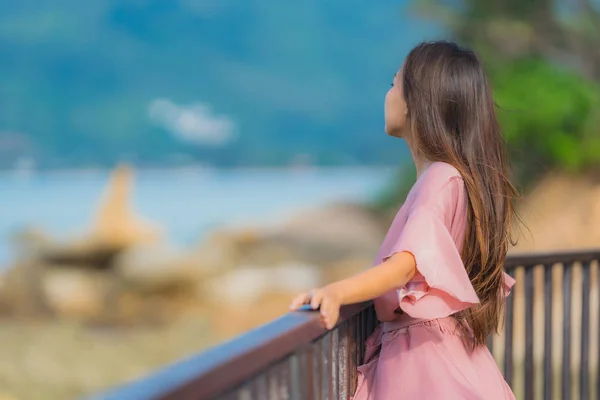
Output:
x,y
185,203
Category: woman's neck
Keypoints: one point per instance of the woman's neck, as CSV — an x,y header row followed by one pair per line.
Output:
x,y
421,163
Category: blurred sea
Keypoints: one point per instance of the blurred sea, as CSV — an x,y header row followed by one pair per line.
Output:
x,y
186,204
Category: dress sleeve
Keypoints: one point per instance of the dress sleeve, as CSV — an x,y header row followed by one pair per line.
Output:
x,y
509,282
441,286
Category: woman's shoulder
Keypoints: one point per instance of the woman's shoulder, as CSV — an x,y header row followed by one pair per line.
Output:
x,y
441,173
439,181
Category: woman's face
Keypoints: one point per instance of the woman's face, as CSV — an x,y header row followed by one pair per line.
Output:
x,y
395,108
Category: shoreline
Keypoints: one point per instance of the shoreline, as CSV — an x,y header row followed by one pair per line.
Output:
x,y
202,170
271,195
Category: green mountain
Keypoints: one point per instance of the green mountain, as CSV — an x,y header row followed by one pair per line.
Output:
x,y
163,82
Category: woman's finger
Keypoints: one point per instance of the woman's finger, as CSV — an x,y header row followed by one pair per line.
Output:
x,y
326,312
315,301
324,307
300,300
329,313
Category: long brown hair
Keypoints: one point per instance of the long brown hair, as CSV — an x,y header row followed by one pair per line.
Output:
x,y
453,119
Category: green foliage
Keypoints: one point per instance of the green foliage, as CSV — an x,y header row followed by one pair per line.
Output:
x,y
549,116
543,60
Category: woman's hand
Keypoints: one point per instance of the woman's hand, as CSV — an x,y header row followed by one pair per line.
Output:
x,y
390,275
327,298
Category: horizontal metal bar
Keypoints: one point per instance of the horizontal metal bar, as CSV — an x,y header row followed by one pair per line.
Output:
x,y
217,370
532,259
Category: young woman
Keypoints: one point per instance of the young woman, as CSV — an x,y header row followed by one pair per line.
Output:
x,y
438,282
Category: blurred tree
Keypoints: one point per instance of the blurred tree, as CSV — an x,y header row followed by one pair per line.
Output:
x,y
543,58
566,32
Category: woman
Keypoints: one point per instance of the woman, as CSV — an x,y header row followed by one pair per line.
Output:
x,y
438,281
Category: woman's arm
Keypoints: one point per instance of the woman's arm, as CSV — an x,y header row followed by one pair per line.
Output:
x,y
374,282
392,274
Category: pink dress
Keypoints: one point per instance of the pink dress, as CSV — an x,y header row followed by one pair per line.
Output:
x,y
419,354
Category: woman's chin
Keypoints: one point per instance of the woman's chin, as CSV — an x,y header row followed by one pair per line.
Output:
x,y
397,133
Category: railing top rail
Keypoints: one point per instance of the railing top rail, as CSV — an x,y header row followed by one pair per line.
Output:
x,y
224,367
533,259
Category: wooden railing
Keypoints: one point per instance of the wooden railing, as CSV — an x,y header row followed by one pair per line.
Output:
x,y
295,358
